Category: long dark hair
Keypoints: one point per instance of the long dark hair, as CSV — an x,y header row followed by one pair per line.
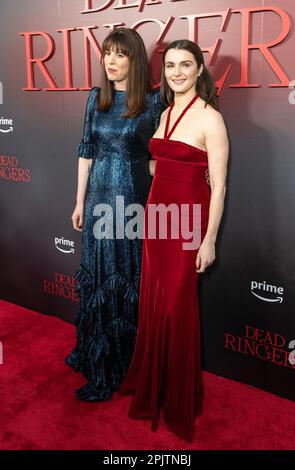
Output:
x,y
128,42
205,85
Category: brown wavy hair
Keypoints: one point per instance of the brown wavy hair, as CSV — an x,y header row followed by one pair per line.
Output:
x,y
205,85
128,42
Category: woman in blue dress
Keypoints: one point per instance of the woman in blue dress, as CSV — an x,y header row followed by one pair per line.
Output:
x,y
120,118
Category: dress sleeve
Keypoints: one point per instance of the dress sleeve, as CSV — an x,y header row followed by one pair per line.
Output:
x,y
87,147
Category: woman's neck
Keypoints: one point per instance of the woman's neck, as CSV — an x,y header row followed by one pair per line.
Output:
x,y
120,86
181,100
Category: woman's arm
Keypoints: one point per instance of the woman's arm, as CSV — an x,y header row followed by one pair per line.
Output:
x,y
217,147
84,167
87,150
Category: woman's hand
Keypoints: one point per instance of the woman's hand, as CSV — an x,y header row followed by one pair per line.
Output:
x,y
77,217
205,256
152,166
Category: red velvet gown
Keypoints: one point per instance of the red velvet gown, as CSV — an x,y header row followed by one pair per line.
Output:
x,y
165,372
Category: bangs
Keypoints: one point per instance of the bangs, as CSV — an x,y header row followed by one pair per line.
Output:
x,y
117,43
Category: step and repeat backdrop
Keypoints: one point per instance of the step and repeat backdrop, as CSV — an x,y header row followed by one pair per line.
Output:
x,y
50,58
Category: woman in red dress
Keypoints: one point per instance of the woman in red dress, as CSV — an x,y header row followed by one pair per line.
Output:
x,y
190,144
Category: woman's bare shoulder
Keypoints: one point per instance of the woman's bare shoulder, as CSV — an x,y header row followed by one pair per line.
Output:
x,y
209,113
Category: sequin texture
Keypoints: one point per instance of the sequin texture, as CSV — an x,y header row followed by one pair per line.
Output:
x,y
109,273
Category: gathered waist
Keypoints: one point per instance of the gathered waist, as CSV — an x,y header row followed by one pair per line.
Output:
x,y
181,171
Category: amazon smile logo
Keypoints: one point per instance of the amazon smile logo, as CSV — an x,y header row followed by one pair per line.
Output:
x,y
63,245
267,292
6,125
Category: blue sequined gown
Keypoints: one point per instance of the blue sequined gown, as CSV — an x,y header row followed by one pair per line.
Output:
x,y
109,274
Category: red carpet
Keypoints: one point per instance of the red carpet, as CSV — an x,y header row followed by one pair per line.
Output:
x,y
39,409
